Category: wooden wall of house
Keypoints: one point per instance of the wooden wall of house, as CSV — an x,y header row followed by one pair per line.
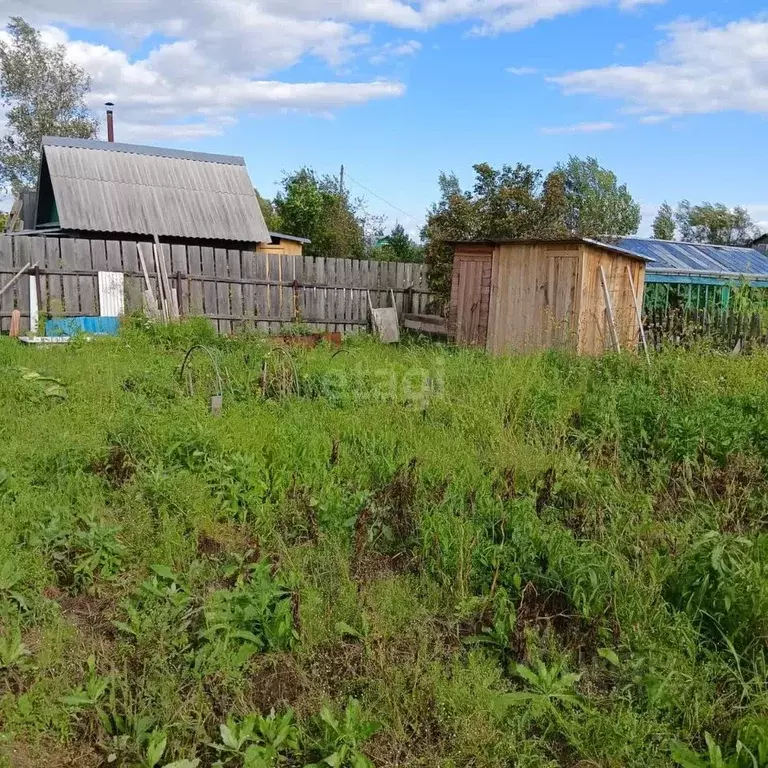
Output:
x,y
284,247
594,330
535,297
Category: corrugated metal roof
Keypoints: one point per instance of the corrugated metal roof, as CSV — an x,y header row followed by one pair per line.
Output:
x,y
700,258
106,187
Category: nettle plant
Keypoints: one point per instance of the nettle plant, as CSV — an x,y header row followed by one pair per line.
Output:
x,y
255,615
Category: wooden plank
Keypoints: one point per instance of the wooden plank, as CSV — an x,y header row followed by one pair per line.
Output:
x,y
194,267
287,271
331,301
126,253
609,310
53,285
179,266
87,286
70,284
234,260
274,304
321,294
41,284
249,290
99,259
207,268
301,274
222,290
261,292
17,293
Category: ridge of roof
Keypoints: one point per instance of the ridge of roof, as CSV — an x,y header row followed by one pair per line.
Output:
x,y
139,149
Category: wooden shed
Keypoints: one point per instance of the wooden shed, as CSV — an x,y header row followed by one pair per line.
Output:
x,y
522,295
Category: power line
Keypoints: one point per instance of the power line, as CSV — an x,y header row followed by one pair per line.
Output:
x,y
383,200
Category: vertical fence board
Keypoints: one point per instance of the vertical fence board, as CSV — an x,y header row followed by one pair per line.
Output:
x,y
320,294
249,291
287,270
261,267
87,286
177,276
234,263
210,303
274,308
54,287
37,249
196,306
71,300
299,295
222,289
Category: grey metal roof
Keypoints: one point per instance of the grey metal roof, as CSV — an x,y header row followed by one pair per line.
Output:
x,y
294,238
699,258
108,187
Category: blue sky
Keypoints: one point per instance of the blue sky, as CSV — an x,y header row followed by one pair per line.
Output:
x,y
672,96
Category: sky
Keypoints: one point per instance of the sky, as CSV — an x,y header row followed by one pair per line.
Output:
x,y
672,95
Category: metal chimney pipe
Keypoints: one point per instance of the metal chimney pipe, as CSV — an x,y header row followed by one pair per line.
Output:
x,y
110,122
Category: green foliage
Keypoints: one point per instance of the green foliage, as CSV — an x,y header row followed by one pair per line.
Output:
x,y
81,548
318,208
398,246
44,94
340,739
258,741
664,223
255,615
543,560
714,223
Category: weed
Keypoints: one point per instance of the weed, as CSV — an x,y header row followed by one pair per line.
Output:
x,y
339,739
257,741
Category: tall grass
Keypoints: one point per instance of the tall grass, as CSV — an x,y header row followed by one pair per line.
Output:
x,y
415,555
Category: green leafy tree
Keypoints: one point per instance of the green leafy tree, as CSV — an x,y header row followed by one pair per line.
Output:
x,y
43,94
271,217
400,246
318,208
714,223
664,223
596,204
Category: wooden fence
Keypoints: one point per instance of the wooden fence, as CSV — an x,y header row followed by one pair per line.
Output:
x,y
726,330
236,290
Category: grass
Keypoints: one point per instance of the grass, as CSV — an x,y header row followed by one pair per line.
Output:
x,y
410,556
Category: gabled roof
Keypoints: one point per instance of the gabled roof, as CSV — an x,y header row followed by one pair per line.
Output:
x,y
699,258
125,188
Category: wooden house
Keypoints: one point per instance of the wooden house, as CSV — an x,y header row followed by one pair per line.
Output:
x,y
522,295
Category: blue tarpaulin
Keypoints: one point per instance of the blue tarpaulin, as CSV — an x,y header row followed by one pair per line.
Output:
x,y
69,326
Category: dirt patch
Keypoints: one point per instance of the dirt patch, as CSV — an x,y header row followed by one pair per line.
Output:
x,y
118,468
505,486
274,682
50,754
297,521
215,545
335,670
551,612
91,616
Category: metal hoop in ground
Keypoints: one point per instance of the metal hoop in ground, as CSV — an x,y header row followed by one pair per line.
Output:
x,y
217,398
281,381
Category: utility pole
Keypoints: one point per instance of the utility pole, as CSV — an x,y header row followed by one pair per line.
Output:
x,y
341,180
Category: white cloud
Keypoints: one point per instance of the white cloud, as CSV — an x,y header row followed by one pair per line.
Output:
x,y
559,130
522,71
699,69
394,50
187,67
654,119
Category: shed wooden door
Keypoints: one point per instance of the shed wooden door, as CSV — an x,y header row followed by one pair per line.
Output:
x,y
561,316
471,298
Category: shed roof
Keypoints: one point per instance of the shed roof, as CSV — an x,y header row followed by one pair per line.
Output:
x,y
607,246
125,188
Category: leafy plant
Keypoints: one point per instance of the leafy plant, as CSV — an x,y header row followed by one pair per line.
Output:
x,y
255,615
257,741
14,655
340,739
81,548
687,758
548,686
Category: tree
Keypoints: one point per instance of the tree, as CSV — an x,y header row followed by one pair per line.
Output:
x,y
595,203
400,247
271,217
316,207
44,95
664,223
714,223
